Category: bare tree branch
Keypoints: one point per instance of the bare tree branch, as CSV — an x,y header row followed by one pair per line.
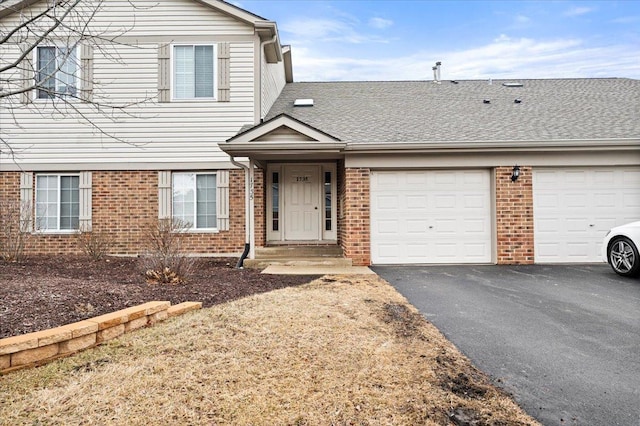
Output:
x,y
49,43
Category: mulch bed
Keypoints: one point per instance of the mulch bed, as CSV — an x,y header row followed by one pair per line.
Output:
x,y
48,291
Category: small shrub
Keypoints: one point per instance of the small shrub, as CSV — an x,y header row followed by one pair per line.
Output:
x,y
15,221
95,244
164,261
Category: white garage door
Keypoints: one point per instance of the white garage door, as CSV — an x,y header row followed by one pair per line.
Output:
x,y
431,216
575,207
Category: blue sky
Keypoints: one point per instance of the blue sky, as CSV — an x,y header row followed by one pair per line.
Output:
x,y
401,40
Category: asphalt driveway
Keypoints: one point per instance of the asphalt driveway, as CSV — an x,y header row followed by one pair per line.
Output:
x,y
564,340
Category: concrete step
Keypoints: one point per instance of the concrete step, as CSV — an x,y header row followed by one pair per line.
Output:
x,y
297,251
330,262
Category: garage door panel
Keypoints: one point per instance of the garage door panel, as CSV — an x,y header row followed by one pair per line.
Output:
x,y
476,226
605,199
576,225
474,177
416,226
575,179
576,200
473,201
388,202
440,217
631,178
604,177
475,250
415,178
388,180
444,178
631,199
573,209
387,227
416,202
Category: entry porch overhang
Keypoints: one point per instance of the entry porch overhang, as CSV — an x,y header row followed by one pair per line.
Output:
x,y
284,138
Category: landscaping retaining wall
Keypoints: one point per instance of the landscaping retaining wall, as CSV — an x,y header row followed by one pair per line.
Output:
x,y
37,348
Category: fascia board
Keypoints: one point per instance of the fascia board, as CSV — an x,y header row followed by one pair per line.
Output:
x,y
233,11
274,147
269,126
12,6
480,146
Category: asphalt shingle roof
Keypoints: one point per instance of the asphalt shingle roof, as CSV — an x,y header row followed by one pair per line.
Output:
x,y
422,111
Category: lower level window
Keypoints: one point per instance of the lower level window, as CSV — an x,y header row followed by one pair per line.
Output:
x,y
57,202
194,199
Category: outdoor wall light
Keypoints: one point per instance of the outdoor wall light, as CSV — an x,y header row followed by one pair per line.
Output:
x,y
515,173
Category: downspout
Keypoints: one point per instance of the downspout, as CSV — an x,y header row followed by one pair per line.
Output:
x,y
247,204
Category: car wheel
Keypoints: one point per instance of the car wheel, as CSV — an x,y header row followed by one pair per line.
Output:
x,y
623,257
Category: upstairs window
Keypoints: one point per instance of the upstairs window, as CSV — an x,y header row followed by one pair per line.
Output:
x,y
193,71
57,69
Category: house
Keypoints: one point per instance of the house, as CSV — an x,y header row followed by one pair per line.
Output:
x,y
434,171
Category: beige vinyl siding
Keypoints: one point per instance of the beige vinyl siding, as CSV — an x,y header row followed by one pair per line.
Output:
x,y
153,18
175,17
148,132
273,81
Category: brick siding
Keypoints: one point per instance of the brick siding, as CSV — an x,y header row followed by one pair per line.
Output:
x,y
355,236
125,202
259,211
514,216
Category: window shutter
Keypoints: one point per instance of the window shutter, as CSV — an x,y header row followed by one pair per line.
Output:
x,y
27,74
224,66
164,195
164,73
86,72
26,200
222,199
85,202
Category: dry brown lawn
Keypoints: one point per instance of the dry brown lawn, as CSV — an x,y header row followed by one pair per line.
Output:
x,y
338,351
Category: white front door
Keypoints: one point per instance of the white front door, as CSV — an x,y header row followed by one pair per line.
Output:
x,y
302,202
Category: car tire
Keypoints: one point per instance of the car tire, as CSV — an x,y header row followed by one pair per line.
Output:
x,y
623,257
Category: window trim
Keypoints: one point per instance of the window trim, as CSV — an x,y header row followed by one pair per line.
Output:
x,y
193,228
39,230
215,72
78,72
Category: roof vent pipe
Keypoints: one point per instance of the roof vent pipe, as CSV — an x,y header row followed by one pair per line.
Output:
x,y
435,74
438,64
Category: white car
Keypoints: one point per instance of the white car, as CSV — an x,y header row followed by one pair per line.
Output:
x,y
620,249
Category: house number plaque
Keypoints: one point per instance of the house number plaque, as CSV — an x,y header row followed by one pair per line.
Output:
x,y
302,178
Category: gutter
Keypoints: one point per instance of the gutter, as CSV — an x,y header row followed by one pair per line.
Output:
x,y
479,146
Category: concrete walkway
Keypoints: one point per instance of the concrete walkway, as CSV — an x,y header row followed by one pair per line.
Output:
x,y
317,270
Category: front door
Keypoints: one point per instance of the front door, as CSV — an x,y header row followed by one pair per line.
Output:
x,y
302,202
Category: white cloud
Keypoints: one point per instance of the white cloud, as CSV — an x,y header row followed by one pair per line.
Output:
x,y
307,30
503,58
578,11
380,23
626,20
